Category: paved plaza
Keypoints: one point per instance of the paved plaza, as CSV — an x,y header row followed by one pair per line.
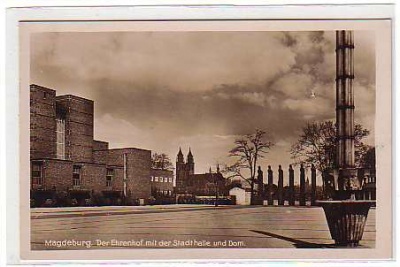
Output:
x,y
185,226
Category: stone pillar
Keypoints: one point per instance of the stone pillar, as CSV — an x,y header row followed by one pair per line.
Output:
x,y
281,200
270,186
260,183
302,186
313,185
291,186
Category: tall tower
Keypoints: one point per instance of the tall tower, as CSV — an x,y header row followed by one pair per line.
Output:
x,y
190,163
180,173
345,111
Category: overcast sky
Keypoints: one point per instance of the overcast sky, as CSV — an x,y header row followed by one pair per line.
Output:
x,y
165,90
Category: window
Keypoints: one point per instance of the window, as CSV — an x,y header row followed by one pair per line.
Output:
x,y
37,177
161,179
76,175
60,141
170,179
109,177
152,178
156,179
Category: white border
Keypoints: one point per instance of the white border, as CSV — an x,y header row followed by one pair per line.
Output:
x,y
138,13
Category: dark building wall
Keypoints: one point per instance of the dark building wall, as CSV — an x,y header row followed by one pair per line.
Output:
x,y
100,152
78,113
58,174
206,184
93,177
118,179
138,165
42,122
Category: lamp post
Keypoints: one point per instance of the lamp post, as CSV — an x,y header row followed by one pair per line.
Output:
x,y
216,188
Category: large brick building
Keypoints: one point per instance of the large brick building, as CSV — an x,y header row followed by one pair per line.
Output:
x,y
65,157
191,186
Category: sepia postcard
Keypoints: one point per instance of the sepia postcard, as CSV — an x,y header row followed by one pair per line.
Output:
x,y
205,139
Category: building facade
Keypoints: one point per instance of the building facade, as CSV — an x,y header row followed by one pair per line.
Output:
x,y
162,186
68,165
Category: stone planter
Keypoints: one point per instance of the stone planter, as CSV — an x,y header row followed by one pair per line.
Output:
x,y
346,220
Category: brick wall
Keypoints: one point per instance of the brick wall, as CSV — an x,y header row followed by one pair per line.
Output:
x,y
100,152
138,168
78,114
57,173
42,122
93,177
117,182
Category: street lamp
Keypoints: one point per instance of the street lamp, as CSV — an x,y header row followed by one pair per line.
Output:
x,y
216,188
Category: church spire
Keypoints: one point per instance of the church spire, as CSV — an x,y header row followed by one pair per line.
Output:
x,y
190,163
190,157
180,156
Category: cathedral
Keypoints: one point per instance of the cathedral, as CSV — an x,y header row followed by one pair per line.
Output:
x,y
189,184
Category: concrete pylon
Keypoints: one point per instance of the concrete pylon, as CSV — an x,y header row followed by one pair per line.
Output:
x,y
345,158
291,186
281,200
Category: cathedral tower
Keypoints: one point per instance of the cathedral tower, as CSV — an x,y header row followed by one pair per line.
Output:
x,y
190,163
180,173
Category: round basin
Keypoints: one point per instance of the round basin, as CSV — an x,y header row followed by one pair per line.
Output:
x,y
346,219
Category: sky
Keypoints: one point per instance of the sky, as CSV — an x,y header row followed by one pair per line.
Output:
x,y
166,90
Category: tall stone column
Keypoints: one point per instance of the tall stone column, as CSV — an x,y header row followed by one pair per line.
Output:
x,y
260,183
281,200
270,186
302,186
313,185
347,179
291,186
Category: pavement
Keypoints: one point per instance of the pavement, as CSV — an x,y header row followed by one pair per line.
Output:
x,y
185,226
43,213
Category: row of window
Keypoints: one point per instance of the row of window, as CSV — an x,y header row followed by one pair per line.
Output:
x,y
37,175
164,192
161,179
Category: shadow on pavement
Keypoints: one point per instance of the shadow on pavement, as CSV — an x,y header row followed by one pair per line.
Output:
x,y
296,242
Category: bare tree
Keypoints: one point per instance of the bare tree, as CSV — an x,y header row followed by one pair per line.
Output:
x,y
161,162
248,150
317,145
